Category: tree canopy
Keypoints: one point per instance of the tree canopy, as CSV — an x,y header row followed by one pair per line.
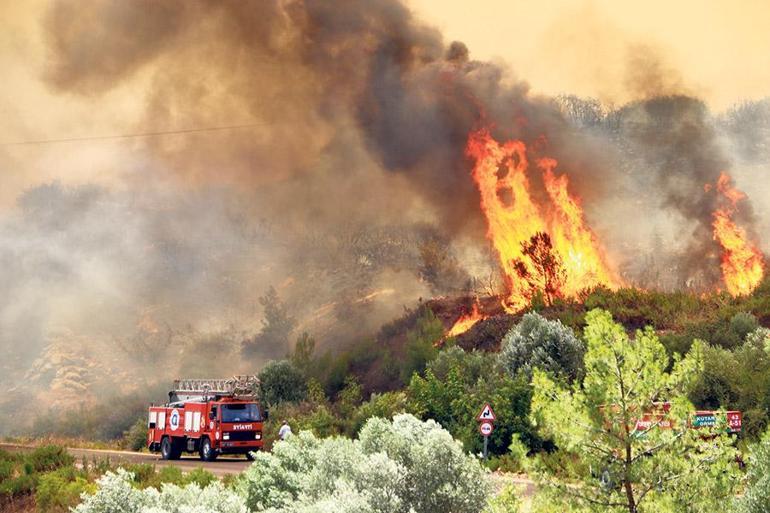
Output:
x,y
630,466
537,342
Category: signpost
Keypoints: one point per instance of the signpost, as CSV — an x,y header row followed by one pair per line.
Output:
x,y
486,419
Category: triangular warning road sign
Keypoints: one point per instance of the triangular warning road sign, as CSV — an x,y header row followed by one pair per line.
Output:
x,y
486,414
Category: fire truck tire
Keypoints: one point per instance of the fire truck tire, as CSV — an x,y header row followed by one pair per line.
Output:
x,y
249,456
166,448
207,452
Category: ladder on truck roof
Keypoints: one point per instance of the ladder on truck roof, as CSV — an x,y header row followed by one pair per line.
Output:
x,y
202,389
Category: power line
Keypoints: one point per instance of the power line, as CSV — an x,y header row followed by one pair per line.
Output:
x,y
130,136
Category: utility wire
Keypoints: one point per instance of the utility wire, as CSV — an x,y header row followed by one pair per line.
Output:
x,y
131,136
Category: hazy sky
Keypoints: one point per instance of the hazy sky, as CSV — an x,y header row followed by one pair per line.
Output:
x,y
717,49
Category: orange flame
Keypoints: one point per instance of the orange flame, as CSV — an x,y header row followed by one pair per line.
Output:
x,y
573,240
513,217
466,322
742,262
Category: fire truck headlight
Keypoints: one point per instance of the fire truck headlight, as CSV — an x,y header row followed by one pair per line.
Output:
x,y
257,436
225,436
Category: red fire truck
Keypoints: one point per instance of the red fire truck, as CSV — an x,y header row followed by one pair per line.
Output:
x,y
207,416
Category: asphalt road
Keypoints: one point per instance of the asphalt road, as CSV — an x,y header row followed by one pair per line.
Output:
x,y
222,466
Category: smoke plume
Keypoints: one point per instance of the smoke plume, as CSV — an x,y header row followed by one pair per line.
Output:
x,y
340,171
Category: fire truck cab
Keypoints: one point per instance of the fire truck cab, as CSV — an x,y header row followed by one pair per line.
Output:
x,y
209,417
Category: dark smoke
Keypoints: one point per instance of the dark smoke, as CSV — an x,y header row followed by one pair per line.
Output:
x,y
350,179
670,143
675,140
307,69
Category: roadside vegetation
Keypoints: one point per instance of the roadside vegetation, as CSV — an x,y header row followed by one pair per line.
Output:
x,y
553,376
48,479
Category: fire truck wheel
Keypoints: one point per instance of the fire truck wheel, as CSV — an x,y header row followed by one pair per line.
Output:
x,y
207,453
249,456
166,449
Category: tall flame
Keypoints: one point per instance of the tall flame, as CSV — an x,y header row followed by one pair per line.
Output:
x,y
742,262
513,217
573,240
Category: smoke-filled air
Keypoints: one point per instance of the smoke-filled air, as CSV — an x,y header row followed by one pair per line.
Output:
x,y
174,173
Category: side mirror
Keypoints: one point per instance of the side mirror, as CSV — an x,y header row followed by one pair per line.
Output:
x,y
265,414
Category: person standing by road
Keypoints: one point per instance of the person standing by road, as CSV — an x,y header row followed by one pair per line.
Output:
x,y
285,431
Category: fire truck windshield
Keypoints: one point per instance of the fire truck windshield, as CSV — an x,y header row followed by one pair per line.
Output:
x,y
240,413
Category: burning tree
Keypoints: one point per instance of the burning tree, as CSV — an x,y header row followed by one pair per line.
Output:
x,y
743,264
542,270
515,215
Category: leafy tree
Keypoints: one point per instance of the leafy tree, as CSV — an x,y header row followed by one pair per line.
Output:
x,y
457,385
537,342
349,397
545,272
302,356
277,325
384,406
737,379
280,381
632,468
320,421
757,496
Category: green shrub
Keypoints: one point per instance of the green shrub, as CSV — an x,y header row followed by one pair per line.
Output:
x,y
114,494
349,397
144,473
321,421
756,498
61,489
457,385
515,460
49,457
742,324
504,502
200,476
737,379
6,469
384,406
7,456
170,474
135,438
18,485
395,467
280,381
537,342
